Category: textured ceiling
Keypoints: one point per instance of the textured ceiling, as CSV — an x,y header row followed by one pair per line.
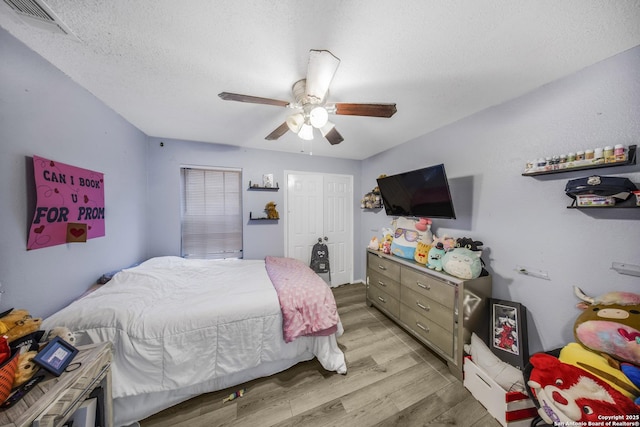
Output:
x,y
161,64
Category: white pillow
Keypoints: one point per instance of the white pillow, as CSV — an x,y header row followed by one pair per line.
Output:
x,y
508,377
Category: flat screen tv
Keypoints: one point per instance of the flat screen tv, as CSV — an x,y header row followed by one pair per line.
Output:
x,y
419,193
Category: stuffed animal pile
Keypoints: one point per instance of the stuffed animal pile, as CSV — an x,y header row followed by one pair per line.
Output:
x,y
596,378
413,239
20,341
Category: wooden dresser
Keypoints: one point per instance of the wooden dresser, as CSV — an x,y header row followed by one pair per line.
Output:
x,y
438,309
54,400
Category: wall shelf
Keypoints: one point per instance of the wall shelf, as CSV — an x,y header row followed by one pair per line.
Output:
x,y
631,160
260,188
630,203
251,218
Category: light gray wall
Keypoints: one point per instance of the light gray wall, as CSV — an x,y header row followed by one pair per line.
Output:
x,y
523,221
260,238
42,112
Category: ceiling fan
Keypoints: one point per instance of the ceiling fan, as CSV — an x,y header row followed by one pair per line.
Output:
x,y
312,108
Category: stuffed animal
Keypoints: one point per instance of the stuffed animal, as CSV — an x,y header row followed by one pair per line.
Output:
x,y
462,263
583,358
421,254
610,324
374,243
435,257
271,211
447,242
26,368
63,332
424,225
469,243
406,237
17,324
567,394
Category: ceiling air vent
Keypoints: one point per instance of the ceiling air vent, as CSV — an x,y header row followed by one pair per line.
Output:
x,y
38,14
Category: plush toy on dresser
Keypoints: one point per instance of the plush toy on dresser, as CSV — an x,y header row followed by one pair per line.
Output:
x,y
436,253
406,237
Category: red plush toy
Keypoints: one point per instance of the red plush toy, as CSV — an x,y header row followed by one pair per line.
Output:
x,y
566,393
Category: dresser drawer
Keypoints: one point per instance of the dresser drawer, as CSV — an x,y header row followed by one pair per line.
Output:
x,y
432,310
384,266
385,284
384,301
434,289
428,330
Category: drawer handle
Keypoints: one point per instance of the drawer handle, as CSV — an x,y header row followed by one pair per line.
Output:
x,y
422,327
382,299
427,287
381,283
424,307
382,267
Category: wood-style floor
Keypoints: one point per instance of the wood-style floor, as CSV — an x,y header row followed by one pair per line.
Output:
x,y
392,380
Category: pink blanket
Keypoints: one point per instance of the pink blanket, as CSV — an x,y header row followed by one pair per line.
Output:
x,y
307,303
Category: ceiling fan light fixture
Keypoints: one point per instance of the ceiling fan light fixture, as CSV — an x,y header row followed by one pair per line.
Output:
x,y
318,117
306,132
295,122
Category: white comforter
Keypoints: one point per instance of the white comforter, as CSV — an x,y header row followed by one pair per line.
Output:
x,y
175,323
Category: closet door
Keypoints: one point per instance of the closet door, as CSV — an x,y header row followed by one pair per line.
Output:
x,y
319,206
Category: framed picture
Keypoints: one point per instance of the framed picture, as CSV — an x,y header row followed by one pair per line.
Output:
x,y
267,180
56,356
508,336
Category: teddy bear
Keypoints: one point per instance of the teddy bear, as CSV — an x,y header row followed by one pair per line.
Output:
x,y
17,324
271,211
63,332
26,368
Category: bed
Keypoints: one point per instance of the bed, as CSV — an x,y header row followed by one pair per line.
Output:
x,y
183,327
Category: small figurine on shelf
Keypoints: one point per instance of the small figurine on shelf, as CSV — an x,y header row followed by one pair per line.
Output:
x,y
271,211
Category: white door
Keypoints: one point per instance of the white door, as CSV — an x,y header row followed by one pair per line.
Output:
x,y
320,206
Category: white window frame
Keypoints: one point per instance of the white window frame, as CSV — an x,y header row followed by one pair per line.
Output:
x,y
214,229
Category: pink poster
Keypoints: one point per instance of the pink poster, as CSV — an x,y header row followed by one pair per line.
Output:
x,y
69,205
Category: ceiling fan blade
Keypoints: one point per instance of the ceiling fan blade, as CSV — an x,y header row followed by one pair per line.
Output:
x,y
334,137
371,110
320,71
227,96
278,132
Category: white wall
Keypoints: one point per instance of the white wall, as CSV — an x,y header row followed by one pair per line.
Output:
x,y
42,112
523,220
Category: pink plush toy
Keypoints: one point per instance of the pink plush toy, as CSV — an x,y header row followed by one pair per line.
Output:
x,y
447,242
610,324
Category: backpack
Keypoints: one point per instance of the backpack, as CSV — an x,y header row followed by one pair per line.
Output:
x,y
320,258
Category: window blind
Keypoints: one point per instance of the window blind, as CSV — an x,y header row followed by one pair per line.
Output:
x,y
211,213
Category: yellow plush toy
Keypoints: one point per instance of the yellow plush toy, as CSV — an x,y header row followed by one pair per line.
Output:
x,y
26,368
271,211
17,324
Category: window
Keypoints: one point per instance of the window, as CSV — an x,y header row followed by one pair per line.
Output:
x,y
211,213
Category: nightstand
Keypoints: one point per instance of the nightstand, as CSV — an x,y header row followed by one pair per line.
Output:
x,y
54,400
